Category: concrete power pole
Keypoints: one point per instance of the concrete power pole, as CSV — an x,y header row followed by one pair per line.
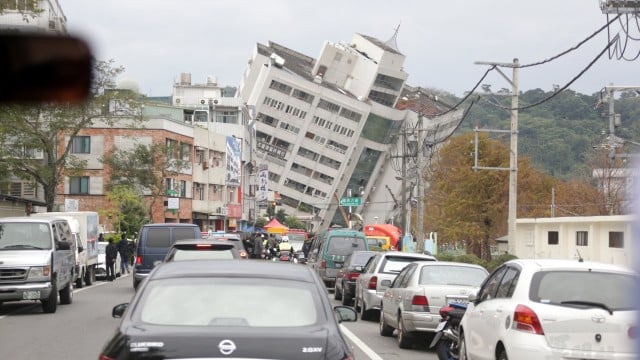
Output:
x,y
420,185
513,160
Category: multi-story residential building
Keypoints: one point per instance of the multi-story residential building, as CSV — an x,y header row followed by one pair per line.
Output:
x,y
21,15
325,127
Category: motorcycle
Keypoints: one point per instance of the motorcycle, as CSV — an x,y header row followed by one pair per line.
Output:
x,y
447,336
285,255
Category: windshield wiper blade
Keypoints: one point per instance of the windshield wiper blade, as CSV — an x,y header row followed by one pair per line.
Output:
x,y
588,303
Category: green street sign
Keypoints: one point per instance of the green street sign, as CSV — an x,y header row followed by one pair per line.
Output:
x,y
351,201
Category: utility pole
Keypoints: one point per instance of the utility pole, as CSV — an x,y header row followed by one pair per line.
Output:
x,y
513,159
420,185
404,182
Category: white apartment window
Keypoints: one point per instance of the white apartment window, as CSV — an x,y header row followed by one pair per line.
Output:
x,y
582,238
227,117
185,151
183,188
329,106
172,148
552,238
283,88
79,185
301,95
81,145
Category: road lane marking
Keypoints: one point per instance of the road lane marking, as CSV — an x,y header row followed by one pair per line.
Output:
x,y
359,343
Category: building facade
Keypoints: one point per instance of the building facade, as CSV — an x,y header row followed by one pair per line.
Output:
x,y
20,15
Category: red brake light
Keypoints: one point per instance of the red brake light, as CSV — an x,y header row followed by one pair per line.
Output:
x,y
353,276
323,264
525,319
373,283
138,260
203,246
419,300
104,357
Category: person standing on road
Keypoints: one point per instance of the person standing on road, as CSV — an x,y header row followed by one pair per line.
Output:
x,y
123,250
111,254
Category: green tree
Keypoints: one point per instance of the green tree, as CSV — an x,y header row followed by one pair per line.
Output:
x,y
127,212
293,223
36,140
144,169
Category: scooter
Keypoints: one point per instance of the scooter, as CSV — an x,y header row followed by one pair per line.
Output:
x,y
447,336
285,255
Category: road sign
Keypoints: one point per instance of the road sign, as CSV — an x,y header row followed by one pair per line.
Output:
x,y
351,201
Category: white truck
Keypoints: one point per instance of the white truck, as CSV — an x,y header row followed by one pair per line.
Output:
x,y
85,224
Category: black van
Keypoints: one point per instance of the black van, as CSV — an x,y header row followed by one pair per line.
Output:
x,y
154,241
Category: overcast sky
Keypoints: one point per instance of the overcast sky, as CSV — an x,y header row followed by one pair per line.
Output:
x,y
156,40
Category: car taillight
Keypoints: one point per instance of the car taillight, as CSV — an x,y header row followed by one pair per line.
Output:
x,y
138,260
323,264
525,319
203,246
373,283
419,300
632,332
105,357
353,276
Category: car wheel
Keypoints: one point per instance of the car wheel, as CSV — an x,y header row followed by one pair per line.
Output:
x,y
337,294
346,298
135,283
66,294
50,305
385,330
364,313
404,339
79,282
502,355
462,348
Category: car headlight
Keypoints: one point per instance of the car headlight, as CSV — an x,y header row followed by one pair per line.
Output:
x,y
39,272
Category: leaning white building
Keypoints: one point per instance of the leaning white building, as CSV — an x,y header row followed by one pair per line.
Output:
x,y
324,126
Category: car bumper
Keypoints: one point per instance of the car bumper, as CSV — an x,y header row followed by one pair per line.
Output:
x,y
421,321
372,299
521,345
30,291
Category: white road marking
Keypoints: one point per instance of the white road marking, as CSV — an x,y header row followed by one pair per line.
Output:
x,y
359,343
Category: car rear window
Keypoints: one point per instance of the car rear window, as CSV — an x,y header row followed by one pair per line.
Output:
x,y
452,275
158,237
184,233
194,254
343,246
614,290
395,264
228,302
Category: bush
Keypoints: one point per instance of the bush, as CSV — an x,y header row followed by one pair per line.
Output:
x,y
494,263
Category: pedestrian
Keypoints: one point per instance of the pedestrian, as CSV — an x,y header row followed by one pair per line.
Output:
x,y
306,246
123,250
111,254
257,246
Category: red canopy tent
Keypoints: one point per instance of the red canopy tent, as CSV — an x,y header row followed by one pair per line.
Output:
x,y
275,227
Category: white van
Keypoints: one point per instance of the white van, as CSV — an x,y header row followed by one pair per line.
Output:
x,y
37,261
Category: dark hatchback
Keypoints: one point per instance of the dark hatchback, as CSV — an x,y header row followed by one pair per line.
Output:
x,y
230,309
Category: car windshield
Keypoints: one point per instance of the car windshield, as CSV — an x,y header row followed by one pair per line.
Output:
x,y
24,236
180,254
360,258
452,275
246,302
343,246
573,288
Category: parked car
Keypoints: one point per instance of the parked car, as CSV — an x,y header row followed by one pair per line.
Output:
x,y
230,309
202,249
378,274
235,239
37,261
154,241
101,270
411,305
329,250
555,309
346,279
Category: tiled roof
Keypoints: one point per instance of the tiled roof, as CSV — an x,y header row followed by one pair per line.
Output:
x,y
420,101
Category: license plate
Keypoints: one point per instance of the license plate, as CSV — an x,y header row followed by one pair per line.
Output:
x,y
458,301
441,326
31,295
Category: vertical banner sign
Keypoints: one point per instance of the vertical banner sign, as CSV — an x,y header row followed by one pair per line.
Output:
x,y
263,183
233,161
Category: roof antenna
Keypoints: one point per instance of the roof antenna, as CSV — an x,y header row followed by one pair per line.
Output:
x,y
580,259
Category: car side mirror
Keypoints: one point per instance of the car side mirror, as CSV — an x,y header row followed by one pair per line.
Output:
x,y
119,310
345,313
358,268
473,298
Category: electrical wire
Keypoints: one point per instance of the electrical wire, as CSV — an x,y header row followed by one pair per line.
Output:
x,y
606,26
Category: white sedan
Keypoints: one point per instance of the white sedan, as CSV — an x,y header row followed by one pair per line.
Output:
x,y
552,309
